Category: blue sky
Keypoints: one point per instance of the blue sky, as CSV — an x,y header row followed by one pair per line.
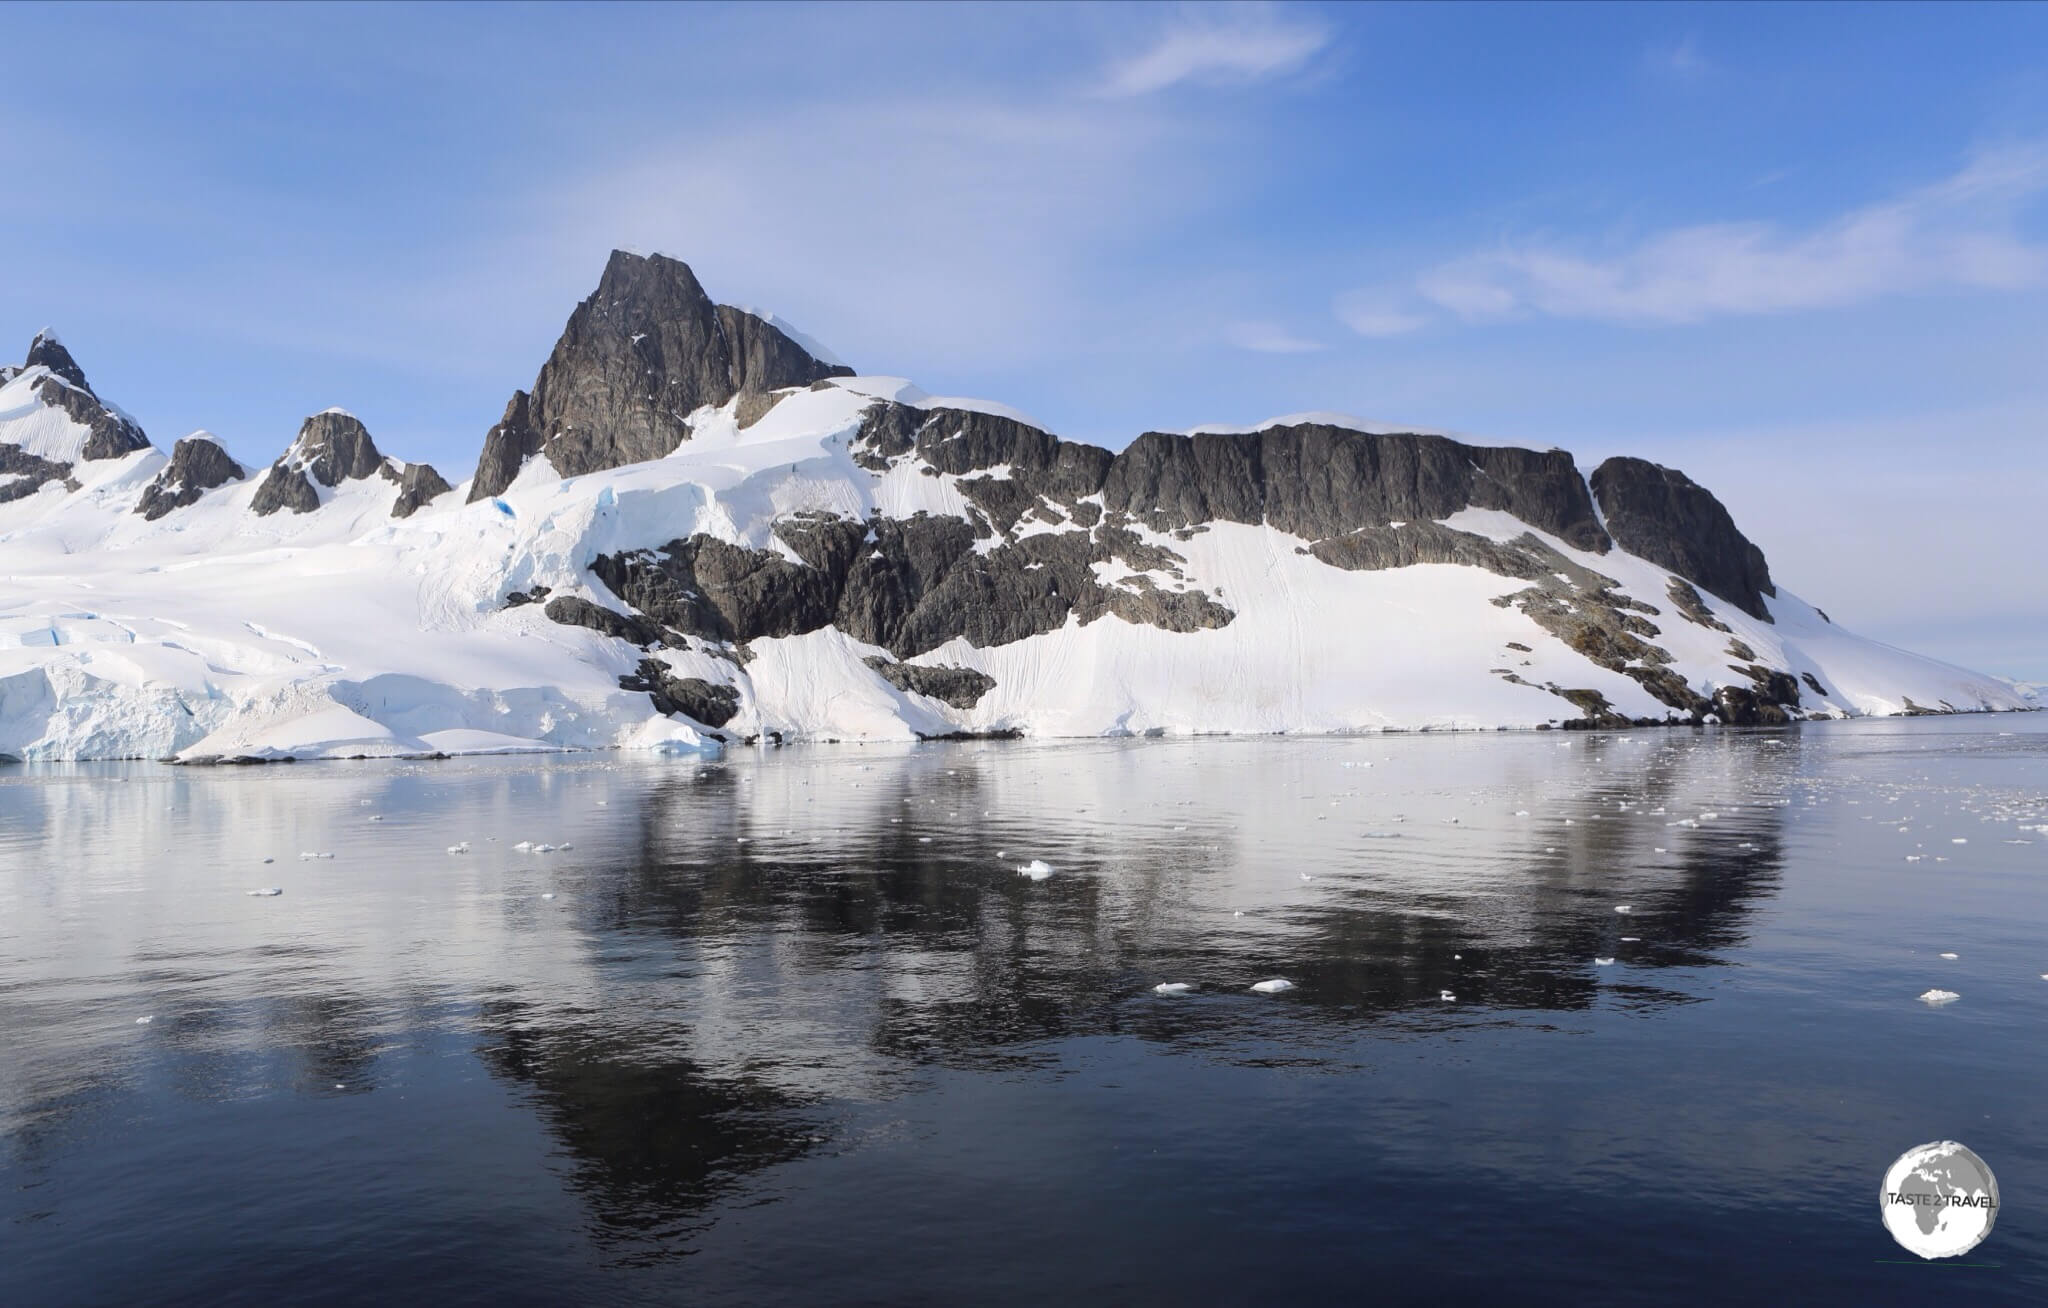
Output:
x,y
1799,252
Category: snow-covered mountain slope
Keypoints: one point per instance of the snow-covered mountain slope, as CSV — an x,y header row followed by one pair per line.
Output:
x,y
813,554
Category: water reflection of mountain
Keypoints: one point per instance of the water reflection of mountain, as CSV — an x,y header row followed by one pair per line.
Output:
x,y
737,946
949,952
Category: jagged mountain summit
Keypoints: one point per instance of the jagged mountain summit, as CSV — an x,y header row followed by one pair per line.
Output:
x,y
696,527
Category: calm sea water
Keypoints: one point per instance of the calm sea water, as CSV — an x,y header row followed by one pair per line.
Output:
x,y
793,1029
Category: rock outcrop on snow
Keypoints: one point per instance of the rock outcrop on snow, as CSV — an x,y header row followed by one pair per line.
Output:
x,y
332,447
198,464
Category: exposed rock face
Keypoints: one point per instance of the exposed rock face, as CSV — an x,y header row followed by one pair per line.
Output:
x,y
284,487
198,465
46,351
1310,480
908,586
23,474
960,687
112,433
418,487
572,611
637,357
1659,514
507,447
1317,481
333,447
708,702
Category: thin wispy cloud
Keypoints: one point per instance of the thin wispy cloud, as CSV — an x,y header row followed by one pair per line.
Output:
x,y
1220,45
1679,60
1270,338
1958,233
1376,315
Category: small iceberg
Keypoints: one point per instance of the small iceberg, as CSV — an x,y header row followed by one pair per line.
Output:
x,y
548,895
1277,986
462,848
1447,996
1172,988
1939,997
1624,908
1603,962
268,893
1037,869
1950,957
144,1021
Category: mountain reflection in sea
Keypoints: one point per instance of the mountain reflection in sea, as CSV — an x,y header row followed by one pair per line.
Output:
x,y
790,1026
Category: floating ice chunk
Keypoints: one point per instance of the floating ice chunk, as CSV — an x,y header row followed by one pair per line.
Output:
x,y
145,1021
1624,908
924,840
1277,986
1950,957
460,848
1603,962
1939,997
1521,812
1630,940
1960,840
523,845
1447,996
265,894
1660,849
1172,988
1306,877
1037,869
543,849
548,895
1002,853
565,845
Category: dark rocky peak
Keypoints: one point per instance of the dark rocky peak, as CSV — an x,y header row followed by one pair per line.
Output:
x,y
635,360
331,447
198,464
111,433
48,352
334,446
1660,514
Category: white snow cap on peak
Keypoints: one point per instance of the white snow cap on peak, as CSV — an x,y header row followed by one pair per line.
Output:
x,y
336,408
50,335
201,435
